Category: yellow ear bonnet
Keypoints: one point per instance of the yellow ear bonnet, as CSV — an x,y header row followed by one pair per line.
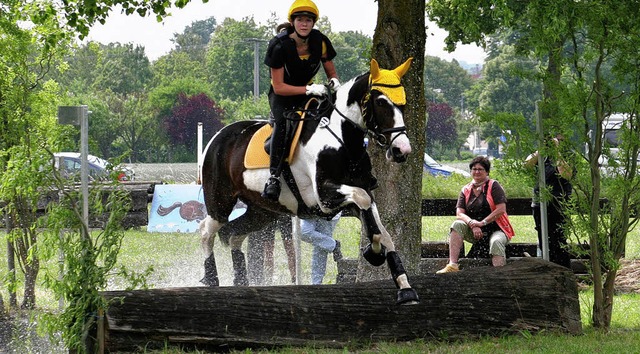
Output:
x,y
388,81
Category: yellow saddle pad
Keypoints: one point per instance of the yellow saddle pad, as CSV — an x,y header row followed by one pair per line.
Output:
x,y
257,157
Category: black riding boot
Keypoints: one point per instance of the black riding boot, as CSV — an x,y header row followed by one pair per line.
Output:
x,y
276,159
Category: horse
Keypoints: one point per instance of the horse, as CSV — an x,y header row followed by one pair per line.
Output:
x,y
329,170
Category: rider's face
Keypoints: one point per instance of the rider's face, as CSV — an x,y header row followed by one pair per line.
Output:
x,y
303,24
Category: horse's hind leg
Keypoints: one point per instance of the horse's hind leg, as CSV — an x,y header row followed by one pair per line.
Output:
x,y
236,231
208,228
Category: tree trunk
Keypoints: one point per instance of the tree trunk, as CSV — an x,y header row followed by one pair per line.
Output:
x,y
400,34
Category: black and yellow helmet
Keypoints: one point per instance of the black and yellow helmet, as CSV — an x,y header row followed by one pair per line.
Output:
x,y
303,7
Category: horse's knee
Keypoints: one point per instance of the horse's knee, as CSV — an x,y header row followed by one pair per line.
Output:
x,y
208,228
361,198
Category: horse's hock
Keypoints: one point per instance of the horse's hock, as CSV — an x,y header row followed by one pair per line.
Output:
x,y
528,294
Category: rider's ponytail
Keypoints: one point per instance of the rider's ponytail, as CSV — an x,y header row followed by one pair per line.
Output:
x,y
285,26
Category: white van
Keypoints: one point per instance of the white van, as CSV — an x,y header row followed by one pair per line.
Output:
x,y
611,128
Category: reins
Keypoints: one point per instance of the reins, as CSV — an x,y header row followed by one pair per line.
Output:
x,y
365,104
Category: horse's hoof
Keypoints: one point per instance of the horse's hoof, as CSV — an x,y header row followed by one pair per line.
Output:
x,y
407,296
210,282
375,259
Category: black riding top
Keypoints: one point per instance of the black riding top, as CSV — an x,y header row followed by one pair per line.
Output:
x,y
298,71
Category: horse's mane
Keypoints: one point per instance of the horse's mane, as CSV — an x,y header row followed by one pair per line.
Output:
x,y
359,89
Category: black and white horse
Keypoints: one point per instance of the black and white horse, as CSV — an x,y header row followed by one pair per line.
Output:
x,y
330,166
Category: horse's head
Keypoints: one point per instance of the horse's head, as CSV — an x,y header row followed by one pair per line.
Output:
x,y
383,111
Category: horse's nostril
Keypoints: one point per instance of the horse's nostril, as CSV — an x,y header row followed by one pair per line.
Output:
x,y
398,156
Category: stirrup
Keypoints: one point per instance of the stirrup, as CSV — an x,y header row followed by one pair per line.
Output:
x,y
271,189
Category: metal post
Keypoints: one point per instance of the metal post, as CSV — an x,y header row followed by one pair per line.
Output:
x,y
199,176
256,70
84,167
295,230
544,229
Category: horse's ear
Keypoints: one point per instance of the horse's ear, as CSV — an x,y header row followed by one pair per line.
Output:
x,y
403,68
375,70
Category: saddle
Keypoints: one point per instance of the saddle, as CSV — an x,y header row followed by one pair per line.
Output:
x,y
257,151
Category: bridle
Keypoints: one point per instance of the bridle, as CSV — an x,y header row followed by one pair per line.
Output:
x,y
366,110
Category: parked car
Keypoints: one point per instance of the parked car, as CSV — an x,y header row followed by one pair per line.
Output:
x,y
437,169
69,164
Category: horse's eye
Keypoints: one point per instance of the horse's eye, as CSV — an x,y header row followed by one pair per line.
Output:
x,y
380,102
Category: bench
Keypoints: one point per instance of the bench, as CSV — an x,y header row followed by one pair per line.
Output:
x,y
434,254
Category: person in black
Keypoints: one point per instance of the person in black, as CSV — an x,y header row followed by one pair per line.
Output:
x,y
557,174
294,57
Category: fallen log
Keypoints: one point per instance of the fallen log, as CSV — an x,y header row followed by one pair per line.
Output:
x,y
528,294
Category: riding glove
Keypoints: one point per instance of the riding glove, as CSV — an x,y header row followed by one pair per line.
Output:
x,y
316,90
334,84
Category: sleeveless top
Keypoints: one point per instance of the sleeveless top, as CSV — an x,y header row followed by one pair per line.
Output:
x,y
298,71
502,221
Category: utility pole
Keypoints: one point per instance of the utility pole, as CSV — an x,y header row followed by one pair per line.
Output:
x,y
256,66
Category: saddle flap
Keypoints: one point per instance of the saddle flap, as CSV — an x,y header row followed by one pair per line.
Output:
x,y
256,155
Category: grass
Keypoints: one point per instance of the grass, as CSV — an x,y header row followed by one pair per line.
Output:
x,y
177,261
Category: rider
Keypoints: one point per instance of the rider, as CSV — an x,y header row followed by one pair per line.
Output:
x,y
294,56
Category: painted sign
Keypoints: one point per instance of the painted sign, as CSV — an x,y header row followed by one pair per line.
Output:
x,y
176,208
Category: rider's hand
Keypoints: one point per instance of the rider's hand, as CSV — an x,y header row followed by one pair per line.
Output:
x,y
316,90
334,84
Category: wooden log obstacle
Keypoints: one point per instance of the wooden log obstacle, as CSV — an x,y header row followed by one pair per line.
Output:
x,y
527,294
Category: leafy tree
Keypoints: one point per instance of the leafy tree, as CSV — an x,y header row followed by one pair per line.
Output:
x,y
353,54
441,128
125,69
79,74
182,124
230,59
247,108
177,66
575,40
27,103
195,38
446,81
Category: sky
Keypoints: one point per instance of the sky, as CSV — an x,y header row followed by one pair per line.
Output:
x,y
344,15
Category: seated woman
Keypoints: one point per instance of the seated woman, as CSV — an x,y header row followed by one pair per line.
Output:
x,y
481,217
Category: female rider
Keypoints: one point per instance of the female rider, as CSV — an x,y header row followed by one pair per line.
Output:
x,y
294,56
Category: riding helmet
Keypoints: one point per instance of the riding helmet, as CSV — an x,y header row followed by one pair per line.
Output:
x,y
303,8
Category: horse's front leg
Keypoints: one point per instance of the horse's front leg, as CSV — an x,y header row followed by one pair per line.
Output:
x,y
208,228
381,248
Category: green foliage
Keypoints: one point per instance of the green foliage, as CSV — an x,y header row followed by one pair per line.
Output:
x,y
353,54
230,58
516,181
246,108
590,71
81,15
195,38
445,81
89,261
124,70
180,68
